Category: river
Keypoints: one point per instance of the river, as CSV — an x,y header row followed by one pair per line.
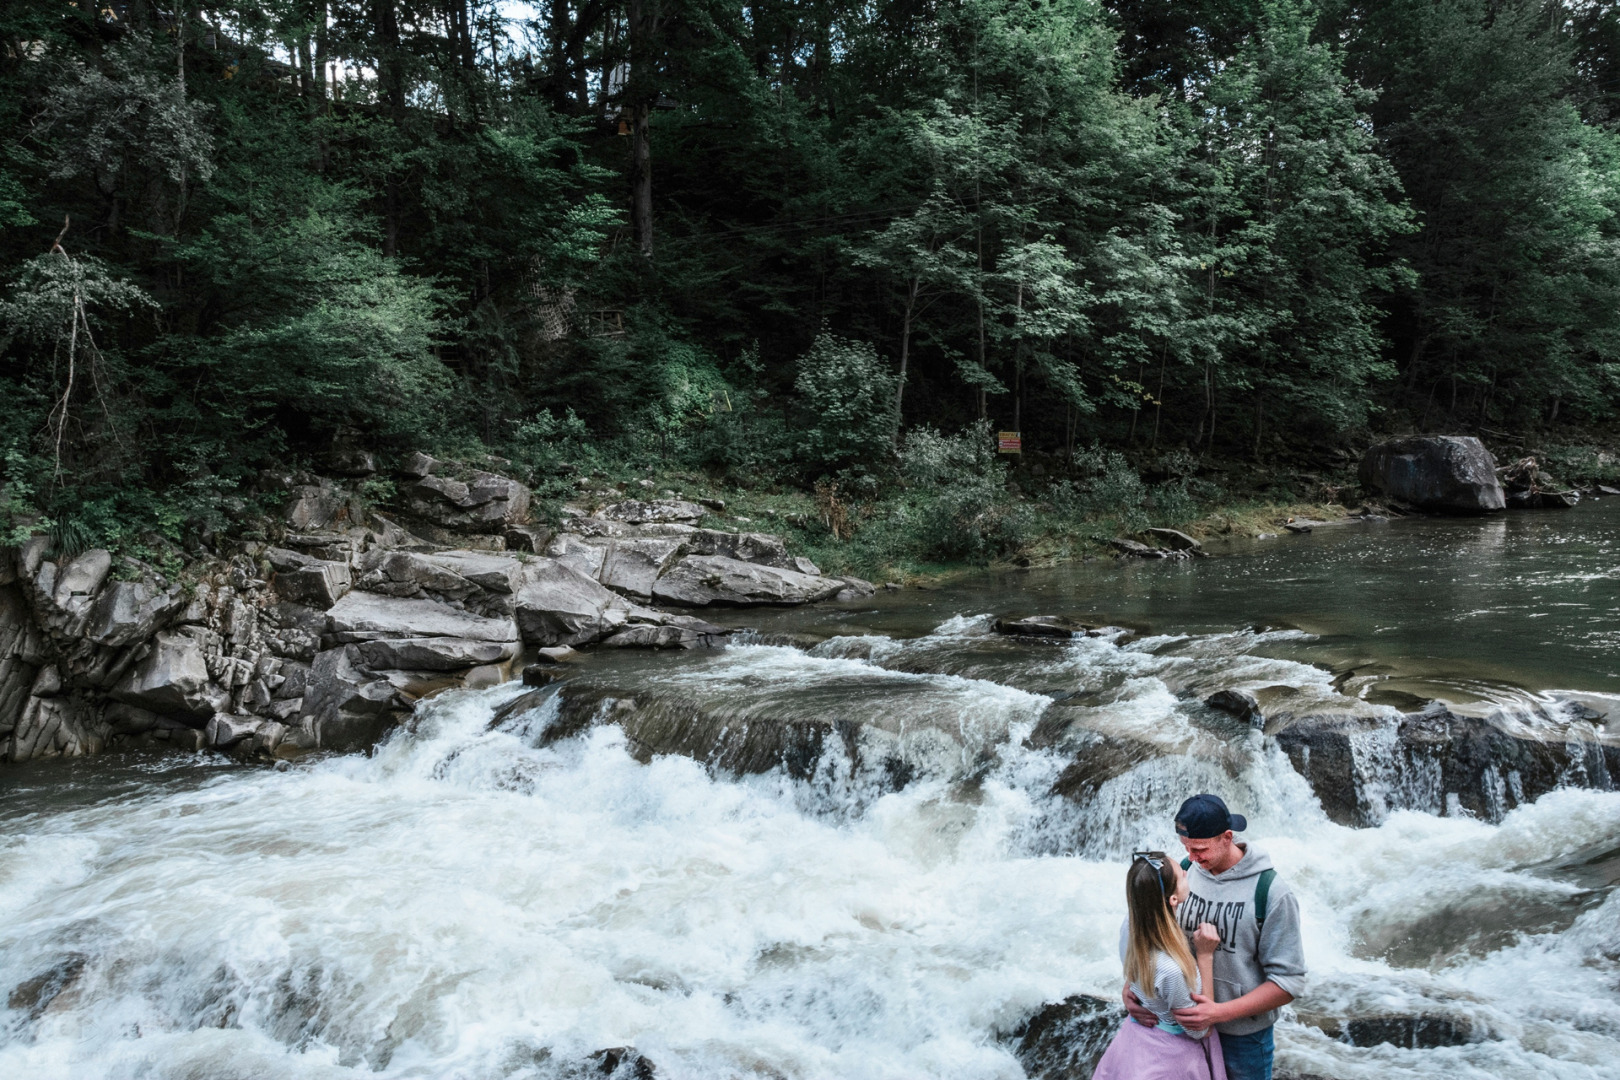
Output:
x,y
476,902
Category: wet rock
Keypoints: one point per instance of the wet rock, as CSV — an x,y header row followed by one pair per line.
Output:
x,y
173,679
556,654
318,583
645,636
1046,626
1451,474
854,589
558,605
1175,539
350,705
1421,1031
224,730
364,616
644,511
1435,761
1135,549
1066,1039
35,994
700,580
633,566
53,727
624,1063
433,653
48,682
539,675
1240,703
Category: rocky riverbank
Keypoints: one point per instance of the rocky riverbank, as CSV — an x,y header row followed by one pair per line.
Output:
x,y
327,633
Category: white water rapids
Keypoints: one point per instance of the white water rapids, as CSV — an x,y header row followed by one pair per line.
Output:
x,y
462,904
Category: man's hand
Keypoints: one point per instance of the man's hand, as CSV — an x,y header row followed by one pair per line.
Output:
x,y
1263,998
1133,1005
1205,1014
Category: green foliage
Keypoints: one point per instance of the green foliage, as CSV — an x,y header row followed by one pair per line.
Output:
x,y
959,506
847,393
1231,227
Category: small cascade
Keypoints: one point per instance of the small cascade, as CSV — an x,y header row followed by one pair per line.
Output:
x,y
861,855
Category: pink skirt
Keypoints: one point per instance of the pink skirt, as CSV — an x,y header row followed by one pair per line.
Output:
x,y
1140,1052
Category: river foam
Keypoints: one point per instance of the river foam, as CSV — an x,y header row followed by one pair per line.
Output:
x,y
463,904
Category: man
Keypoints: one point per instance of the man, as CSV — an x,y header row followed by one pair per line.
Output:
x,y
1259,966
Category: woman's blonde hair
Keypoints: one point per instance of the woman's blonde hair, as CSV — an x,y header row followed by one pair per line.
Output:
x,y
1154,929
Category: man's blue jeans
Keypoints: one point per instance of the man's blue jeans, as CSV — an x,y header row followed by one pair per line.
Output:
x,y
1248,1057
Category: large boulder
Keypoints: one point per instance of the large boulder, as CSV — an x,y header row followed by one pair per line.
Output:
x,y
364,616
700,580
582,554
173,679
1066,1039
461,498
489,571
412,574
313,507
318,583
764,548
1364,767
126,612
433,653
632,566
1451,474
647,511
558,605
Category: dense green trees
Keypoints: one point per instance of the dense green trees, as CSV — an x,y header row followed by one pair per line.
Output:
x,y
778,238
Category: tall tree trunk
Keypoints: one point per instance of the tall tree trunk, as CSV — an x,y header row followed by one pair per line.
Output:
x,y
642,16
1158,398
913,291
392,84
641,177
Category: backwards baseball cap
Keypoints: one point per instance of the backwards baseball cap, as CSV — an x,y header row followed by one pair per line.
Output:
x,y
1204,816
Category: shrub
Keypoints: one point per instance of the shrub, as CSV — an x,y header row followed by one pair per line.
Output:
x,y
848,392
958,504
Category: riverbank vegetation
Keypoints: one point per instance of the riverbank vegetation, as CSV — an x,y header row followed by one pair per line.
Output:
x,y
815,254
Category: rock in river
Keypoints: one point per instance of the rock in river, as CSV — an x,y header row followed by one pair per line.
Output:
x,y
1451,474
698,580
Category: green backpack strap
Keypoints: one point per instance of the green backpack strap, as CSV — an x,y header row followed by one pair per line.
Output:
x,y
1262,889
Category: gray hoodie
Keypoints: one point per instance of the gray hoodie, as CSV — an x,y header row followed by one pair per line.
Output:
x,y
1246,958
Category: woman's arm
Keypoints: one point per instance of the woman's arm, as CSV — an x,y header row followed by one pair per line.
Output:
x,y
1205,941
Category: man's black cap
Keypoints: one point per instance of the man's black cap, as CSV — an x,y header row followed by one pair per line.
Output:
x,y
1204,816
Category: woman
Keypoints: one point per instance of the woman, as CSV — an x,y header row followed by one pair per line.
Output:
x,y
1162,972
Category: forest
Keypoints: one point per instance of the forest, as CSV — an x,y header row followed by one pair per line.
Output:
x,y
819,247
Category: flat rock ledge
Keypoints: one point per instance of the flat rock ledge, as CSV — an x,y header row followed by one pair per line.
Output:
x,y
327,636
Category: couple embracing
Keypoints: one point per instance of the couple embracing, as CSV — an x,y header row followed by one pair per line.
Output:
x,y
1211,948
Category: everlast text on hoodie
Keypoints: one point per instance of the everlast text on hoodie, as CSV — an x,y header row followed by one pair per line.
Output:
x,y
1248,955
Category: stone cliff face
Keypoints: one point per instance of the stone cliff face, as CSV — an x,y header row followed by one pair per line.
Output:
x,y
329,635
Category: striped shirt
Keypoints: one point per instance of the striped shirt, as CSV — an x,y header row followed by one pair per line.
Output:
x,y
1169,991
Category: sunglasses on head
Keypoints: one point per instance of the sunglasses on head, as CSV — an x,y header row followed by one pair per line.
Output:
x,y
1155,859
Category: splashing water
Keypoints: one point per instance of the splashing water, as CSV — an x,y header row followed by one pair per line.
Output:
x,y
464,903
